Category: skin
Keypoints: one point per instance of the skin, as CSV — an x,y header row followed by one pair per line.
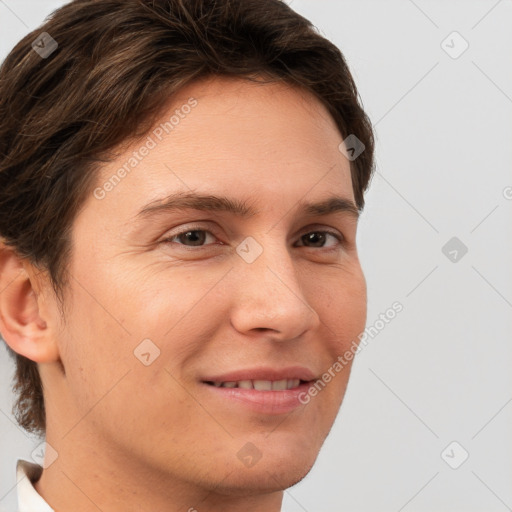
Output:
x,y
131,437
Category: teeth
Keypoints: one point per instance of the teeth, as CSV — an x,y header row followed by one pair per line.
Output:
x,y
260,385
263,385
279,385
293,383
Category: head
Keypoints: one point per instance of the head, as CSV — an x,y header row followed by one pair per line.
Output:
x,y
117,318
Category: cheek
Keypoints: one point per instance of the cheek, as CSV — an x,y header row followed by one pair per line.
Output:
x,y
158,297
343,308
97,350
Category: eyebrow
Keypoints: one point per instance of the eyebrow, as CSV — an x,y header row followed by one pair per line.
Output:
x,y
207,202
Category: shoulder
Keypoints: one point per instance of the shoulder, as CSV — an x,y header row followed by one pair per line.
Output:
x,y
27,473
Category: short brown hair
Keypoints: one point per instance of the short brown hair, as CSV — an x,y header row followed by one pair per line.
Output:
x,y
116,64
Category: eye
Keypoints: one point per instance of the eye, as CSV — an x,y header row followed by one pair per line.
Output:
x,y
195,236
318,238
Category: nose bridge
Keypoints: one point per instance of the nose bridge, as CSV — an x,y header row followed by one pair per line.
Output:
x,y
269,291
269,263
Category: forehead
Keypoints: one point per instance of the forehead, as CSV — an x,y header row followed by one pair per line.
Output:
x,y
224,135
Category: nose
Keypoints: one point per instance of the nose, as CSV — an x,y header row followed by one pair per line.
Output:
x,y
269,296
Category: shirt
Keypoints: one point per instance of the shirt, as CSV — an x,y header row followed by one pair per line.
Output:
x,y
29,500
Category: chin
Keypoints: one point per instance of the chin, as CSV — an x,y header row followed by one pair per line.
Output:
x,y
275,471
262,479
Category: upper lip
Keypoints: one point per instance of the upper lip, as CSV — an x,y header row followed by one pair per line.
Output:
x,y
264,373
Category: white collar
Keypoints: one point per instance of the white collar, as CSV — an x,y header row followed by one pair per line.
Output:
x,y
27,473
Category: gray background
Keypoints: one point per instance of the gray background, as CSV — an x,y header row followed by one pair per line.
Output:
x,y
440,371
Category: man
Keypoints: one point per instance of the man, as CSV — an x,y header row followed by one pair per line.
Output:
x,y
180,183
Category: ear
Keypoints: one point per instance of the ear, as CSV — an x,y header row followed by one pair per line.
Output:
x,y
25,322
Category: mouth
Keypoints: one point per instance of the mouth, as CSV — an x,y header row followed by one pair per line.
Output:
x,y
266,393
260,385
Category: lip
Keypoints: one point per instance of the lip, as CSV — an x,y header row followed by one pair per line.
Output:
x,y
263,402
264,373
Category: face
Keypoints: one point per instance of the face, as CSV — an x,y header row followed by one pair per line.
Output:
x,y
166,304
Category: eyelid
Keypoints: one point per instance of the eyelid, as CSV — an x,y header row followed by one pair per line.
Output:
x,y
191,227
308,229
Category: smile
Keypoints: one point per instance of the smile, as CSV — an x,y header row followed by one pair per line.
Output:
x,y
259,385
263,390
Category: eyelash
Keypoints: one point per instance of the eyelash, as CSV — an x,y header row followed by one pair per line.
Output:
x,y
169,240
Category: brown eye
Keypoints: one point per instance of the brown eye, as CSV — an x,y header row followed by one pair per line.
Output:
x,y
317,239
189,238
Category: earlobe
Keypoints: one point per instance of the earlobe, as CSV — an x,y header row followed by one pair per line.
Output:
x,y
23,321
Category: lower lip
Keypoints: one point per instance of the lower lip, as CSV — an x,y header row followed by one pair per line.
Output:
x,y
265,402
